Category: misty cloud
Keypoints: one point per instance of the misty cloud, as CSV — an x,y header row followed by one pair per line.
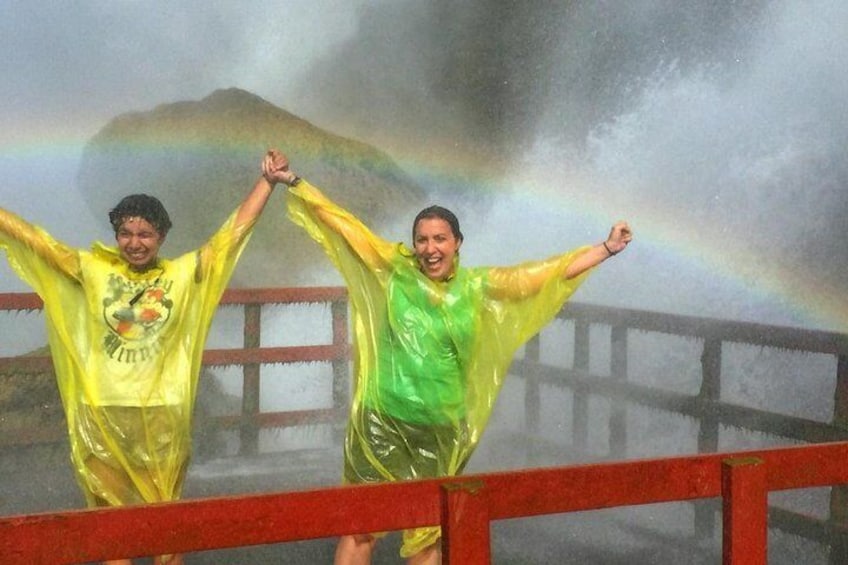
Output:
x,y
704,123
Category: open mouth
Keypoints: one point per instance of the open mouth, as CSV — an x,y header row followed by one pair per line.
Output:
x,y
432,263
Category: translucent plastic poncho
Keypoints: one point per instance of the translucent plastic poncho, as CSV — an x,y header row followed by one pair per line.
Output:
x,y
430,357
127,350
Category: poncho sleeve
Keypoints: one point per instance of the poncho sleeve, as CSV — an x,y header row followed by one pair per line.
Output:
x,y
216,261
518,302
345,239
33,254
364,260
53,270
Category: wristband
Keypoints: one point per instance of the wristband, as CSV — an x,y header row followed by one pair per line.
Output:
x,y
610,251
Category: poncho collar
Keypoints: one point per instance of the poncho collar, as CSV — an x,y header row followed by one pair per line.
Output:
x,y
112,254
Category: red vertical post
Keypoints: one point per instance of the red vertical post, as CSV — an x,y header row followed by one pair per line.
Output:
x,y
465,524
744,511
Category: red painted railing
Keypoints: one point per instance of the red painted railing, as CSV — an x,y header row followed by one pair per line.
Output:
x,y
250,420
463,506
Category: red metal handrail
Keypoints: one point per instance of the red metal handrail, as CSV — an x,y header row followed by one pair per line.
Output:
x,y
461,505
250,357
275,295
713,332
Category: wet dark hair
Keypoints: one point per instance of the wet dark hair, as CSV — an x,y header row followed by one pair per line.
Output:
x,y
143,206
437,212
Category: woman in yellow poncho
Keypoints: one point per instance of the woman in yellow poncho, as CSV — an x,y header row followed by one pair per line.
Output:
x,y
433,343
126,330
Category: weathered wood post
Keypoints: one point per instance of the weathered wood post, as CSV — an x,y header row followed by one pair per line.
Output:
x,y
249,426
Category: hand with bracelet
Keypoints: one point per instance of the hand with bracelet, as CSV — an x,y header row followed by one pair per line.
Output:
x,y
619,237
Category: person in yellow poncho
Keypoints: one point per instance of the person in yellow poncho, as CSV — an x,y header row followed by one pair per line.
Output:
x,y
433,342
126,330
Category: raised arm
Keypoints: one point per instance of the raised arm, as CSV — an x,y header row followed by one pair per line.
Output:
x,y
371,249
253,204
619,236
528,279
19,237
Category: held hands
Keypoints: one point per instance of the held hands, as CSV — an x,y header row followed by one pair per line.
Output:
x,y
275,168
620,235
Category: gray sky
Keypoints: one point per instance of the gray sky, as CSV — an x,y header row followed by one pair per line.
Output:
x,y
714,127
68,67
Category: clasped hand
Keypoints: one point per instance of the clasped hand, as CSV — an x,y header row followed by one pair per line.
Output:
x,y
275,168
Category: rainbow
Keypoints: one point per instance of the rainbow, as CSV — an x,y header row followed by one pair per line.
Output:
x,y
809,301
804,299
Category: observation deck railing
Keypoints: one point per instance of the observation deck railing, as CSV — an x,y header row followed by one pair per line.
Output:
x,y
463,506
250,419
706,407
742,478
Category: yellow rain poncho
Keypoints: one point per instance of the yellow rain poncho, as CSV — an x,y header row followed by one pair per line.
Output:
x,y
127,350
430,357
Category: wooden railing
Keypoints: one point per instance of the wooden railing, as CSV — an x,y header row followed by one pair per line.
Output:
x,y
706,406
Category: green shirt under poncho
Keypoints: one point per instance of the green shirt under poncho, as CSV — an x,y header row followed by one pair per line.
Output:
x,y
426,353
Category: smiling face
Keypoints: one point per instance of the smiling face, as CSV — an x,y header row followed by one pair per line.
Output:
x,y
138,242
436,247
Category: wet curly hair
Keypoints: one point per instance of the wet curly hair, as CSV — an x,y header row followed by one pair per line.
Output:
x,y
143,206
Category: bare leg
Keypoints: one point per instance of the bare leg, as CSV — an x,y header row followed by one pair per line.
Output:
x,y
114,481
175,559
355,550
119,482
160,560
430,555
